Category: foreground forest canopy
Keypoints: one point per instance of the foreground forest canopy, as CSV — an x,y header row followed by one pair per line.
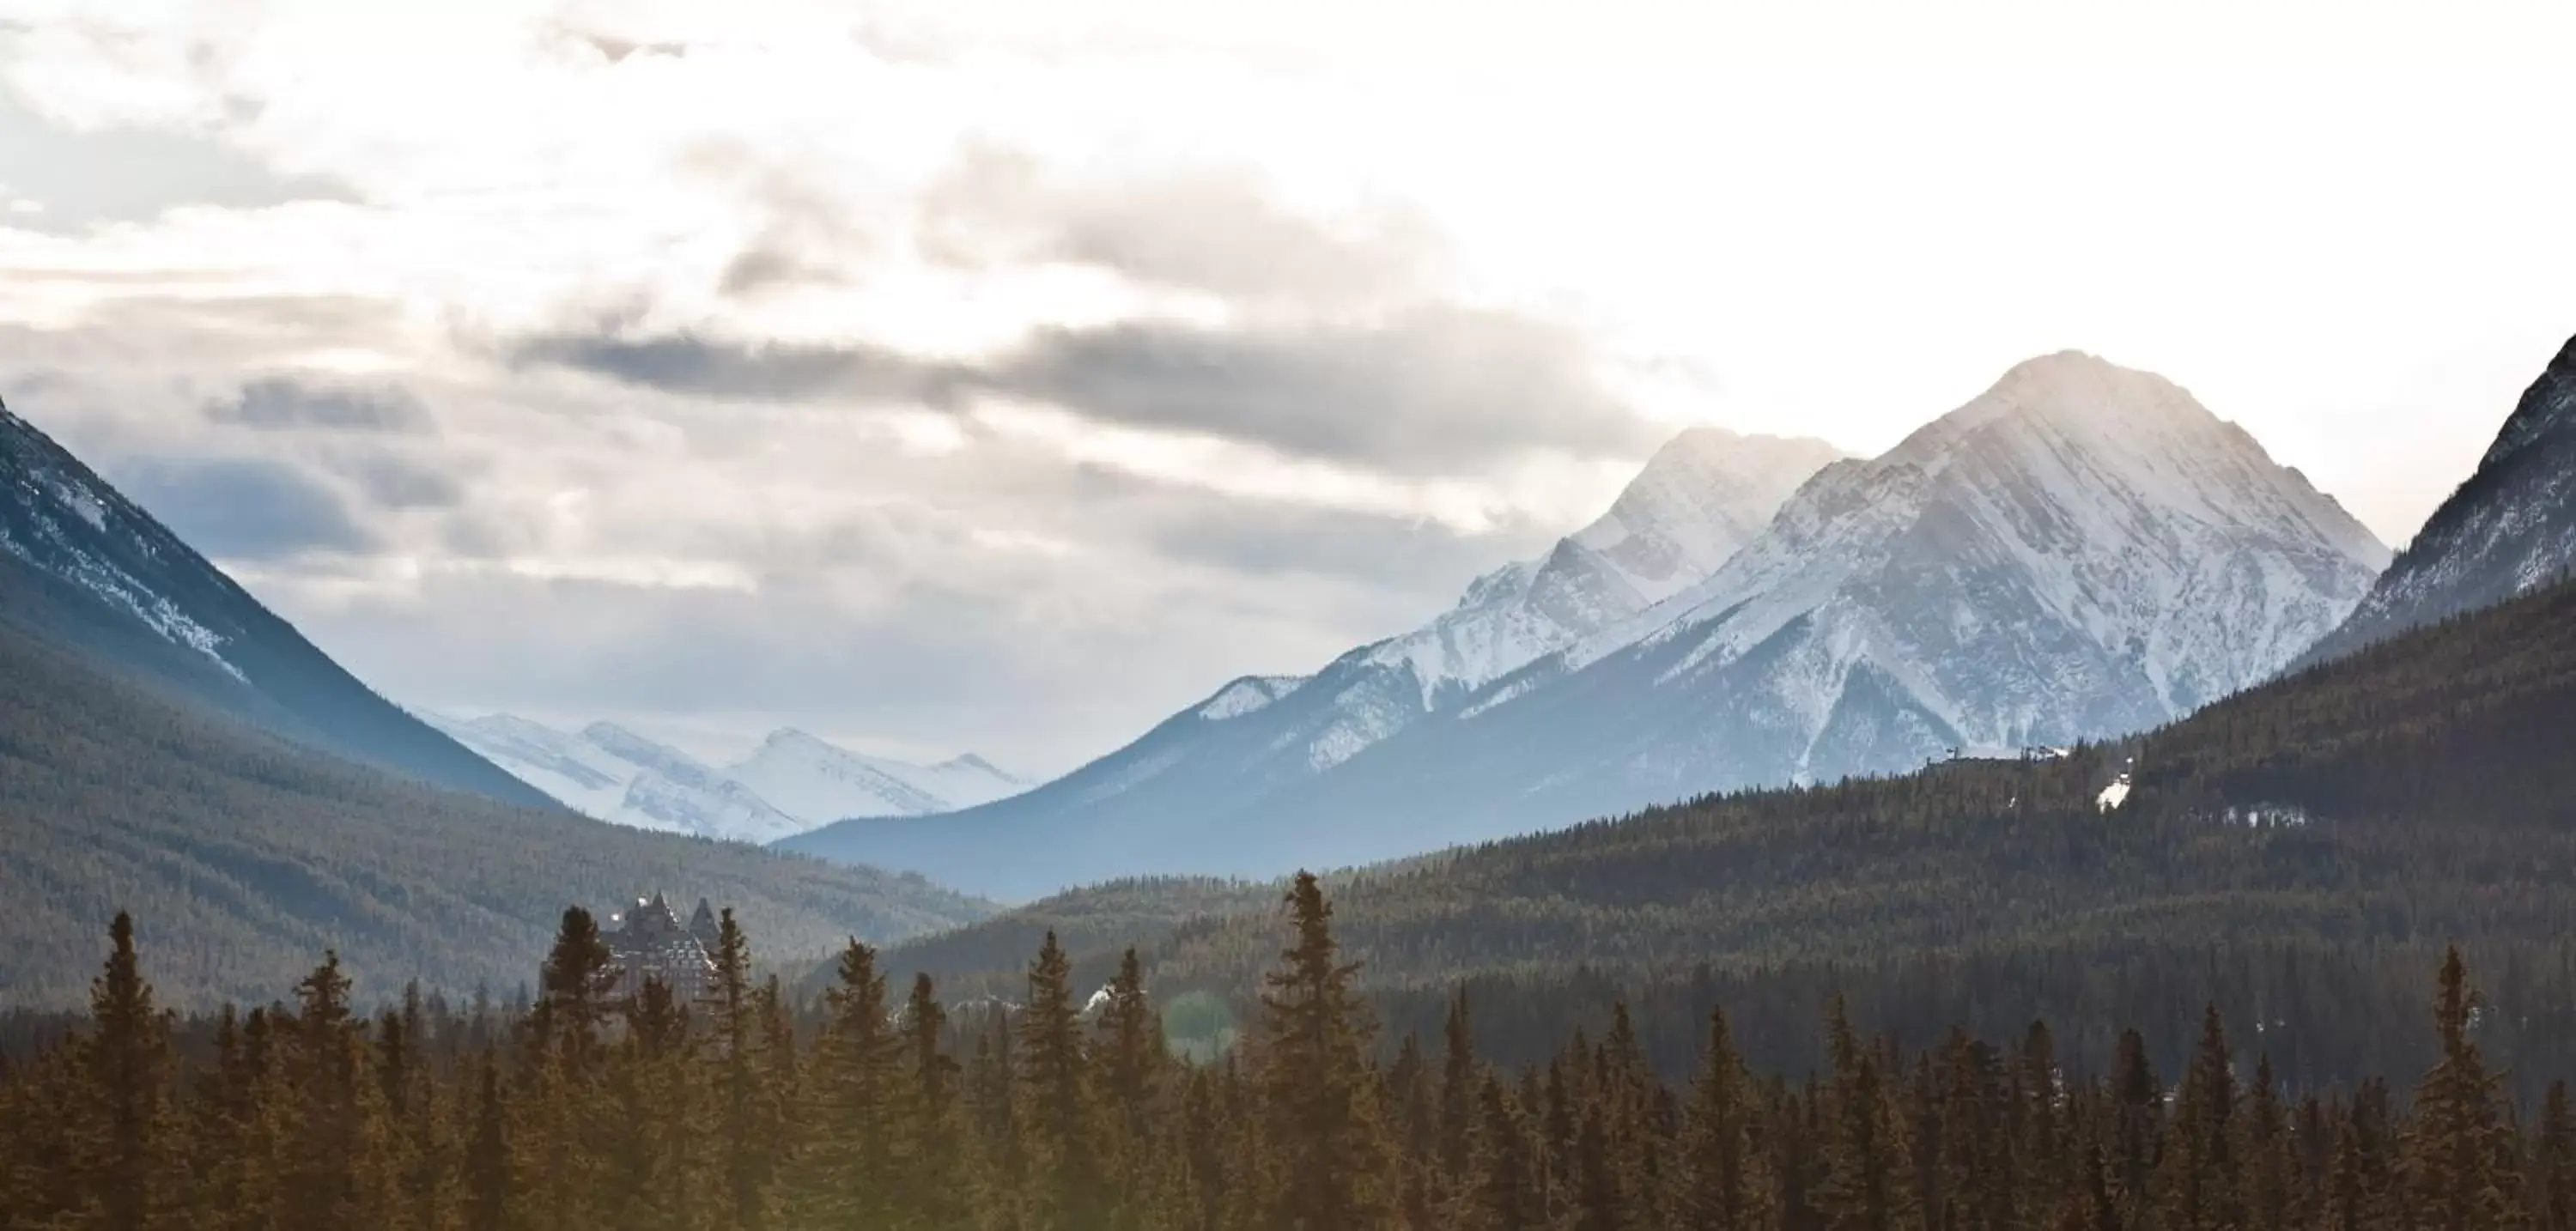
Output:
x,y
601,1110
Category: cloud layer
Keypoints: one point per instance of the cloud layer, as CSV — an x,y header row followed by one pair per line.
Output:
x,y
978,375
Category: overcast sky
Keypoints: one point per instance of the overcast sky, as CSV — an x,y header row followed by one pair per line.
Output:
x,y
970,375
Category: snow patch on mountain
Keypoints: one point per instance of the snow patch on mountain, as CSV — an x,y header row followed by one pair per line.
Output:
x,y
1248,695
1696,503
810,778
65,526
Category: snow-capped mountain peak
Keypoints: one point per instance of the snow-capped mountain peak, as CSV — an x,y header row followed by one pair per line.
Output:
x,y
2080,550
812,778
1696,502
789,784
1693,504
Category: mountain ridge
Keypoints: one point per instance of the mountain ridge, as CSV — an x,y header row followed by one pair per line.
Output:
x,y
77,550
2505,530
789,783
2081,550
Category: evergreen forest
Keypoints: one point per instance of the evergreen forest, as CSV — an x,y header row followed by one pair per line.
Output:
x,y
881,1106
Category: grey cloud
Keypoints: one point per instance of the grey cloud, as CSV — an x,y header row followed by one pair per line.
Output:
x,y
280,403
242,508
394,481
684,363
1215,232
1430,390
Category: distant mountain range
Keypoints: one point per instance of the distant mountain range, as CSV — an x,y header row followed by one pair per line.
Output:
x,y
170,747
2508,530
2081,551
792,783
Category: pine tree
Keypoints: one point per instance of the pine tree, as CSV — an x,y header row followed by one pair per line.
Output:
x,y
1055,1078
2362,1190
324,1058
1132,1060
574,1003
1867,1184
2201,1184
652,1181
992,1084
2458,1166
1461,1087
847,1175
486,1167
1725,1180
933,1180
1506,1194
2269,1165
126,1068
1410,1099
2137,1136
741,1099
1595,1179
2553,1164
1321,1130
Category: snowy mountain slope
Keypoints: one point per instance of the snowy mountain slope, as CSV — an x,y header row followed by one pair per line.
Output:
x,y
2508,529
84,567
2081,551
790,784
809,778
1696,501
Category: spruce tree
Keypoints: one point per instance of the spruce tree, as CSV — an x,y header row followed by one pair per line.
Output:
x,y
933,1177
2553,1163
1725,1179
2201,1183
1321,1128
1415,1108
848,1172
1461,1088
2137,1133
1132,1060
126,1068
741,1098
487,1173
1506,1192
2269,1165
1868,1183
1056,1081
2458,1168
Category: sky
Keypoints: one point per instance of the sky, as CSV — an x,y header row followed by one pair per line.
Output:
x,y
1007,376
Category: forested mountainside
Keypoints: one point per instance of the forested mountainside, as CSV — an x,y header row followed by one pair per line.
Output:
x,y
2511,527
2418,792
86,569
247,854
609,1106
